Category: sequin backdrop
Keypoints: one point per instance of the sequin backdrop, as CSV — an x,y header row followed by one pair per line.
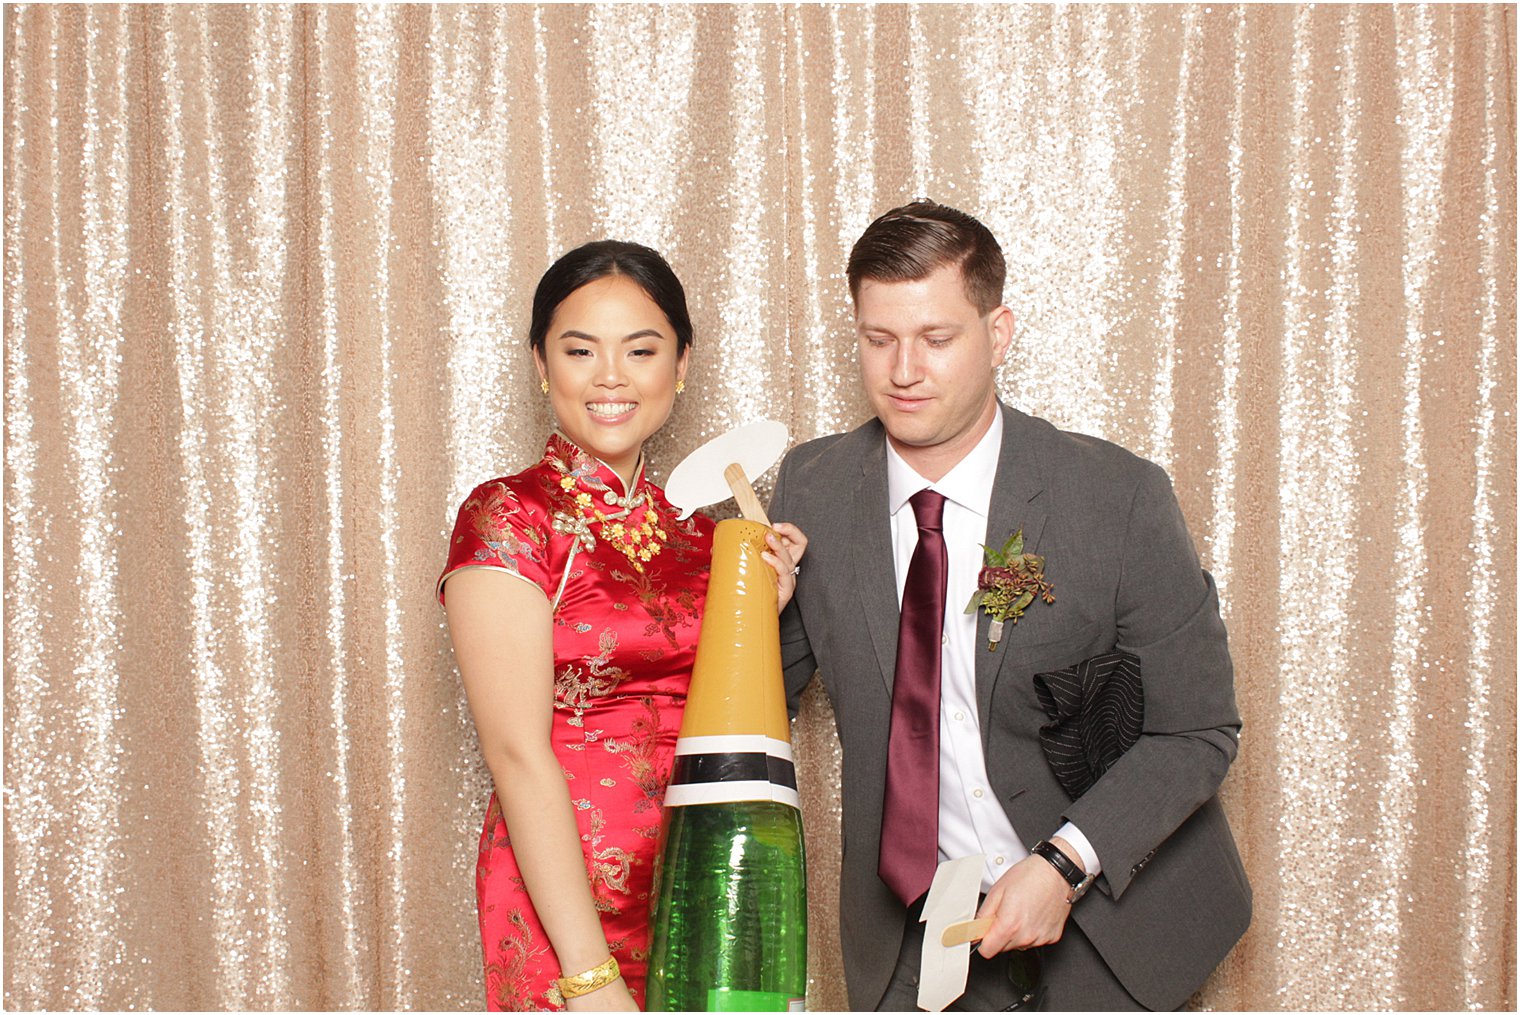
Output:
x,y
267,274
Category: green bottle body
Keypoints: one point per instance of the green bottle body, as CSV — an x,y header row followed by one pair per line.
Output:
x,y
729,917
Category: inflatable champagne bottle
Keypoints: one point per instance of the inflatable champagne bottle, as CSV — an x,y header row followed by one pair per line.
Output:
x,y
729,913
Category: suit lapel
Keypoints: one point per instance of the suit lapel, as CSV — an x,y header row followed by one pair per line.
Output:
x,y
875,575
1016,504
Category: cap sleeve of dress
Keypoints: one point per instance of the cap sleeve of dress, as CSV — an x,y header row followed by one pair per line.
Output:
x,y
498,530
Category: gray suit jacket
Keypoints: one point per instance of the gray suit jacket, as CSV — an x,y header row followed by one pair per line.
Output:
x,y
1125,574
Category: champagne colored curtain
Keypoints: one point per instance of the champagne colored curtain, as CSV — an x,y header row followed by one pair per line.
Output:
x,y
267,273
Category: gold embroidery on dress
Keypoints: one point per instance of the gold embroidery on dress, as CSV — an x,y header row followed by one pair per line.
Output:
x,y
640,753
574,687
504,978
608,868
495,820
666,612
486,511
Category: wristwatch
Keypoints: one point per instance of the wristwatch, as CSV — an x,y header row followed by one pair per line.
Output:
x,y
1078,881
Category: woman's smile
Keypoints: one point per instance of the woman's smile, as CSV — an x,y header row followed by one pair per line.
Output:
x,y
612,412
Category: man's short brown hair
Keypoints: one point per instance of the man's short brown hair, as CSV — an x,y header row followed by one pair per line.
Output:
x,y
912,242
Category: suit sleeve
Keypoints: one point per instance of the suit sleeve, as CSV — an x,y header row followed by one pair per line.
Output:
x,y
797,662
1167,614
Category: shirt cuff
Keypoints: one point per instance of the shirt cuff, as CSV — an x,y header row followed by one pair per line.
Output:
x,y
1072,834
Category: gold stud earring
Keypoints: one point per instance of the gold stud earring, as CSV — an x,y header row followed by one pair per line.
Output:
x,y
543,386
680,387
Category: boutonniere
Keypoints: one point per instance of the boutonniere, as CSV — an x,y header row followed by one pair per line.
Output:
x,y
1010,580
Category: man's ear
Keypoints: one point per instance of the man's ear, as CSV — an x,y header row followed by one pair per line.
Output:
x,y
1000,321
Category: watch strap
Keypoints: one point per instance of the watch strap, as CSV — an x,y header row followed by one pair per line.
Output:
x,y
1073,875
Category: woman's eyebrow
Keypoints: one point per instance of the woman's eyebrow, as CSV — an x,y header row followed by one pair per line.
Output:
x,y
645,333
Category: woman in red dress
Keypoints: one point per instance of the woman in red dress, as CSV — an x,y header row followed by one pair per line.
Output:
x,y
574,599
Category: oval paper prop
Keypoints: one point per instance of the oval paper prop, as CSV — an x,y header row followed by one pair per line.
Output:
x,y
698,481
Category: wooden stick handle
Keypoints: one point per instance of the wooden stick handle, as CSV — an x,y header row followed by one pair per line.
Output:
x,y
966,930
749,504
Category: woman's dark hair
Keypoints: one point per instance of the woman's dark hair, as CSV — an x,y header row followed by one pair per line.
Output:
x,y
602,258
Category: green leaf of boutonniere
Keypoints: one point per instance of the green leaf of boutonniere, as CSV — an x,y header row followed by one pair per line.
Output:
x,y
1008,583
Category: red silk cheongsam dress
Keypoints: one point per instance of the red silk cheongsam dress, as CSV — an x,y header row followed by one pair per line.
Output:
x,y
626,583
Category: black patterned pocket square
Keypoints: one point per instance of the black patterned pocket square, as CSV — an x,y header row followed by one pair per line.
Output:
x,y
1096,709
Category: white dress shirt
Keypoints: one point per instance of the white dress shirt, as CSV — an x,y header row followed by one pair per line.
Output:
x,y
970,818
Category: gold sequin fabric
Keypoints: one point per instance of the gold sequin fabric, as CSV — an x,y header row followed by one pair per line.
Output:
x,y
267,273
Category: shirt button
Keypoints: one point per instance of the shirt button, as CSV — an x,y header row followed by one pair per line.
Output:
x,y
944,639
976,793
959,716
998,860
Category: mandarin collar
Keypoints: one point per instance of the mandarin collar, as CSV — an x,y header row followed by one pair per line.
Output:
x,y
588,470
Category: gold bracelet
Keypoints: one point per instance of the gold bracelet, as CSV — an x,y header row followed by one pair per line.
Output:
x,y
594,978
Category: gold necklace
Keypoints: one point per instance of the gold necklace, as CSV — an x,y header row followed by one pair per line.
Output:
x,y
640,543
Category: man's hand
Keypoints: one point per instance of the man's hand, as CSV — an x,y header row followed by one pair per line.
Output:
x,y
1027,906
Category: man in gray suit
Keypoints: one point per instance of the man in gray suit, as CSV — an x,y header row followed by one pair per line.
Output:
x,y
937,712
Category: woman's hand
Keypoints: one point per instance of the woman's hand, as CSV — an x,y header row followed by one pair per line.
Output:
x,y
613,997
787,545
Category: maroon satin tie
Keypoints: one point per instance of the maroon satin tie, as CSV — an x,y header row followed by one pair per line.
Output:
x,y
910,807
